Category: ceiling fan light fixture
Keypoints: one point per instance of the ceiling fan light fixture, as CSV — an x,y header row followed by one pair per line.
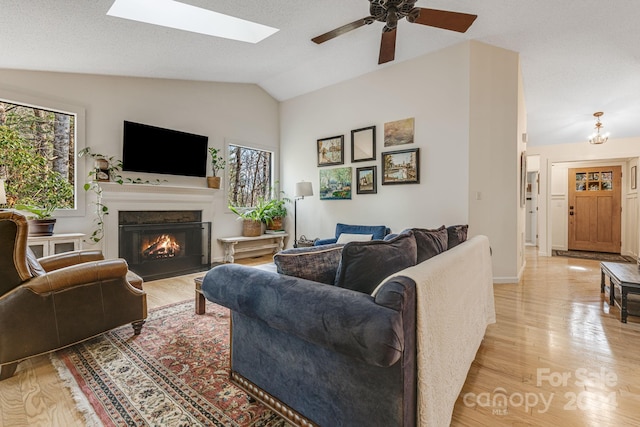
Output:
x,y
596,137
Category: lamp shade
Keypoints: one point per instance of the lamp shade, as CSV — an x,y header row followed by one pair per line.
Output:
x,y
303,189
3,194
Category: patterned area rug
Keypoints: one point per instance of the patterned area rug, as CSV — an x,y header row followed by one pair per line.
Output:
x,y
600,256
175,373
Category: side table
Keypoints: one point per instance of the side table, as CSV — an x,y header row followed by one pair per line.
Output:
x,y
200,299
55,244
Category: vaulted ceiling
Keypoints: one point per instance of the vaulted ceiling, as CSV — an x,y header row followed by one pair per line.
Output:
x,y
577,56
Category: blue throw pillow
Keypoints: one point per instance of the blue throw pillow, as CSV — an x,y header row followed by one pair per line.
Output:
x,y
364,265
317,263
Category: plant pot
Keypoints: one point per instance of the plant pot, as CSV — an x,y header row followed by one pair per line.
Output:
x,y
213,181
275,224
41,227
251,228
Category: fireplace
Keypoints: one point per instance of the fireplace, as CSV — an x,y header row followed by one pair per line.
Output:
x,y
160,244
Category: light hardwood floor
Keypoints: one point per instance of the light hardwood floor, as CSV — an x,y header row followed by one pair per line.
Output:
x,y
558,355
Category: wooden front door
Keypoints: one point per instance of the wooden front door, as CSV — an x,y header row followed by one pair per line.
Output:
x,y
594,209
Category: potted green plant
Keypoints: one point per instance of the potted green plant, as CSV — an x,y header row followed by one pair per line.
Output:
x,y
217,164
40,221
274,213
106,168
252,218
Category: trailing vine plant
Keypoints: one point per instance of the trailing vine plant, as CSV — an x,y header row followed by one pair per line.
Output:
x,y
112,171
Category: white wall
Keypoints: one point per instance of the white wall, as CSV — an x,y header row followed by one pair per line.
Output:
x,y
241,112
467,117
498,120
552,220
434,90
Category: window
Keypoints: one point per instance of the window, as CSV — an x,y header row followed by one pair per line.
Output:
x,y
250,175
38,148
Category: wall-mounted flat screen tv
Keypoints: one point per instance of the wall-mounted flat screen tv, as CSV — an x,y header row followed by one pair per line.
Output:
x,y
153,149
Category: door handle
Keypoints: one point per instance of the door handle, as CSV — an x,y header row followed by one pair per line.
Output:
x,y
571,213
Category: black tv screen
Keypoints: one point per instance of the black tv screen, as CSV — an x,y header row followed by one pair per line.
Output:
x,y
153,149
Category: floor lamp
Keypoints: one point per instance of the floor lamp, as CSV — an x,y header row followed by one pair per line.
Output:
x,y
302,189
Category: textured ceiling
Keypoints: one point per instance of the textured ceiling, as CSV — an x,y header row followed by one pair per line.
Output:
x,y
577,56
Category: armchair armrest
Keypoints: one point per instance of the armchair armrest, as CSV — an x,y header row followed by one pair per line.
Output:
x,y
341,320
55,262
80,274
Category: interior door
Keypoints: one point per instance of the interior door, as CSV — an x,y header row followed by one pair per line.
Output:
x,y
594,209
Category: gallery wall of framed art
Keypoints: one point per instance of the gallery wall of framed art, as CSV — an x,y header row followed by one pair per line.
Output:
x,y
397,166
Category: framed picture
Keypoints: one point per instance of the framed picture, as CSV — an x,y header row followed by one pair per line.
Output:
x,y
363,144
399,132
401,167
634,177
335,184
366,182
331,151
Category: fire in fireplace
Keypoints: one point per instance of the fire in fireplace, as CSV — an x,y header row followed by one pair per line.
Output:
x,y
164,244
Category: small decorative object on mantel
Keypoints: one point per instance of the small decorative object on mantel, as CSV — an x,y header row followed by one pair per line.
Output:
x,y
217,164
102,170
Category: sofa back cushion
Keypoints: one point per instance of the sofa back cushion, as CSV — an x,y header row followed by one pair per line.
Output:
x,y
456,234
363,265
430,242
317,263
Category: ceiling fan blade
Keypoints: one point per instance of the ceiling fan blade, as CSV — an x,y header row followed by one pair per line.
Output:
x,y
387,47
454,21
339,31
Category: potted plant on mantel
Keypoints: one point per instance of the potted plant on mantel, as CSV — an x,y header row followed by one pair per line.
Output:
x,y
217,164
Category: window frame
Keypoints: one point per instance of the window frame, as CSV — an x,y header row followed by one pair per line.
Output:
x,y
41,102
238,143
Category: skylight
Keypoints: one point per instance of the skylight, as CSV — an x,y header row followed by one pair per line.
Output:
x,y
172,14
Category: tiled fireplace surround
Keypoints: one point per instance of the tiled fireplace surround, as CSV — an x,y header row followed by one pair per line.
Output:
x,y
145,197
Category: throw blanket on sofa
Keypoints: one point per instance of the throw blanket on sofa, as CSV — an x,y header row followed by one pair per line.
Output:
x,y
454,306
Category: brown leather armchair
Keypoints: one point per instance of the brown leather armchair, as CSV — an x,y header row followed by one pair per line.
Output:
x,y
53,302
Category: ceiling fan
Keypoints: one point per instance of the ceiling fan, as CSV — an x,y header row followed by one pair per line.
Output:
x,y
390,12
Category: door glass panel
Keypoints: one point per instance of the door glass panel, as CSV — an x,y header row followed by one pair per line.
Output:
x,y
607,181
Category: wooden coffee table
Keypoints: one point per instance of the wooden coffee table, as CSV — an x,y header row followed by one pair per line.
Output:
x,y
200,299
625,278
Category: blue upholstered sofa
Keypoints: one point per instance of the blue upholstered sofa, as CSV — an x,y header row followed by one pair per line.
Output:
x,y
378,232
345,352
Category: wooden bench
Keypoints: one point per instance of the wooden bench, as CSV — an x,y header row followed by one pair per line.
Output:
x,y
241,244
